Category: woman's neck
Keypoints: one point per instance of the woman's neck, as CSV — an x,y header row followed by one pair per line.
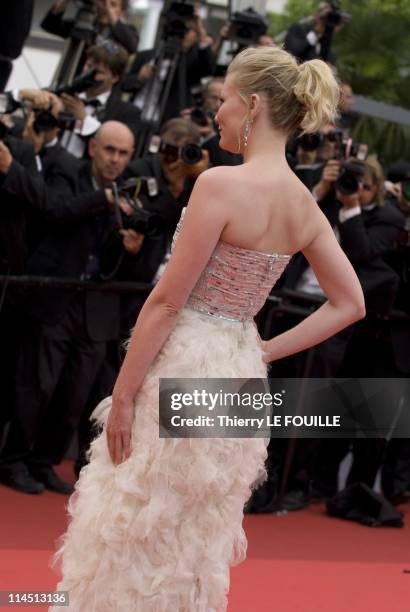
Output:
x,y
265,144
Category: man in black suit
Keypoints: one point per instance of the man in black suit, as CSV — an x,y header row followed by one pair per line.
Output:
x,y
65,342
101,102
108,23
367,229
311,38
15,157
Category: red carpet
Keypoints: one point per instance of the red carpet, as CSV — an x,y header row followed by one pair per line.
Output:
x,y
302,562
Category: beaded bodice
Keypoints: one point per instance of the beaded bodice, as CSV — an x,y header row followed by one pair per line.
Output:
x,y
235,282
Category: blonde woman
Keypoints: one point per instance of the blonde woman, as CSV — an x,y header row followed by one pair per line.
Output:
x,y
156,522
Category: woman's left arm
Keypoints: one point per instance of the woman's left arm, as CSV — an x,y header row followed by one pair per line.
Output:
x,y
204,221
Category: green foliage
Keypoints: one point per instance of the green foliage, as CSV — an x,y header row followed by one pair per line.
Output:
x,y
373,55
390,141
373,49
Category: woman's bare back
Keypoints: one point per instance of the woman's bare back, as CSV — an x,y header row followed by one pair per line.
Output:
x,y
270,213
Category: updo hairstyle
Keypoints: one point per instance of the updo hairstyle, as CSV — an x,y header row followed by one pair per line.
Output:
x,y
304,96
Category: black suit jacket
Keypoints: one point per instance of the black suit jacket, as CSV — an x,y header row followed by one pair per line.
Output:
x,y
13,227
65,252
366,239
59,171
298,45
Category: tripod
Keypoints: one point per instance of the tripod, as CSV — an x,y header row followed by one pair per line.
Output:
x,y
81,36
168,60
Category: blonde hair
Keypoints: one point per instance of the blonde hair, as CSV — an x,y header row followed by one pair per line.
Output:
x,y
302,96
375,172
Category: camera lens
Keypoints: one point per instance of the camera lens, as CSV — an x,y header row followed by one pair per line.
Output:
x,y
350,176
191,154
44,122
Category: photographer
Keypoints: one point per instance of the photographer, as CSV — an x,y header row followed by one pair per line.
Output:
x,y
195,61
202,114
16,158
175,177
68,329
311,38
101,101
109,16
42,130
367,230
246,28
369,227
207,100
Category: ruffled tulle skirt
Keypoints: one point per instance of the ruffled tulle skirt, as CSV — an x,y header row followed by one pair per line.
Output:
x,y
158,532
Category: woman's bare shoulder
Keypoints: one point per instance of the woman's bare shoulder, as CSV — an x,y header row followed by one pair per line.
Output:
x,y
219,174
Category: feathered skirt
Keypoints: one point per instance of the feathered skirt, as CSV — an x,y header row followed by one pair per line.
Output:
x,y
158,532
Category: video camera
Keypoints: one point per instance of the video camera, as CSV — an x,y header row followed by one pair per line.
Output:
x,y
190,154
176,17
247,26
141,221
85,21
335,16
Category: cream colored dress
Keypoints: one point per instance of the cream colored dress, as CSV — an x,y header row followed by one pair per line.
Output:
x,y
159,532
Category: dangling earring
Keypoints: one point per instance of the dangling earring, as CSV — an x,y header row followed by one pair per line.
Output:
x,y
247,131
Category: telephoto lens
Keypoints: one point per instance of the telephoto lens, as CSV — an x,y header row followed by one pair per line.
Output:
x,y
191,154
351,175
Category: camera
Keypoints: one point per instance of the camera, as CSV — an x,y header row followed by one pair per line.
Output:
x,y
45,121
335,16
350,177
190,154
247,26
141,220
176,17
85,21
311,142
81,83
352,170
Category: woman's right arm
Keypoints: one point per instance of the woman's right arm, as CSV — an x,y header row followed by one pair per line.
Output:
x,y
345,301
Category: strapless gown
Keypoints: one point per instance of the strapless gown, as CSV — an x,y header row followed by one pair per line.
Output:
x,y
159,532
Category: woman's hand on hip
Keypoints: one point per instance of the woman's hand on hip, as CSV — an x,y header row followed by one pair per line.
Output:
x,y
118,430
